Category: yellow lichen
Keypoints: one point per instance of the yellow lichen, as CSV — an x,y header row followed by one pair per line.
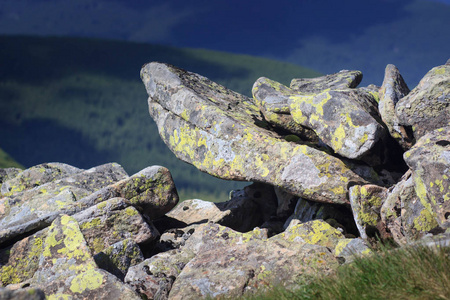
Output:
x,y
89,280
425,221
342,243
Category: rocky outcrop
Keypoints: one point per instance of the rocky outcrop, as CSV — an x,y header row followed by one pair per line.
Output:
x,y
330,175
223,133
74,233
25,210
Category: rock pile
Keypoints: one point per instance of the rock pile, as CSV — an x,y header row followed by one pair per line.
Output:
x,y
332,164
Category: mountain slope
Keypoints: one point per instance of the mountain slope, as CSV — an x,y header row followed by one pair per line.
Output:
x,y
81,101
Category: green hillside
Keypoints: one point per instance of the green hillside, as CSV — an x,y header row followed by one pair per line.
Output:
x,y
6,161
81,101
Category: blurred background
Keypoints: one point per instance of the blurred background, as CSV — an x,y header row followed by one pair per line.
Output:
x,y
69,69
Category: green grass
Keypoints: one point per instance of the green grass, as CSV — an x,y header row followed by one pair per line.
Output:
x,y
81,102
404,273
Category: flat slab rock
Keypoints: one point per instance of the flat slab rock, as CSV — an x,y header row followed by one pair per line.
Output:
x,y
222,133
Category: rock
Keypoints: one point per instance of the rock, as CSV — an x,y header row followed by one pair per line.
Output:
x,y
102,225
306,211
393,89
66,268
273,99
6,174
426,107
36,208
404,215
232,263
20,261
345,119
176,237
119,257
341,80
366,202
217,131
151,190
429,160
36,176
316,232
112,221
285,203
153,278
349,248
196,211
245,210
211,236
22,294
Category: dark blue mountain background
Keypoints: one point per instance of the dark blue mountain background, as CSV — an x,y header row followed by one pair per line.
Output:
x,y
324,35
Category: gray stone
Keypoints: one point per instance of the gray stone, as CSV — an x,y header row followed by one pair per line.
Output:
x,y
274,100
67,269
366,202
36,176
429,160
217,131
36,208
341,80
119,257
346,120
153,278
229,263
112,221
427,106
393,89
22,294
151,190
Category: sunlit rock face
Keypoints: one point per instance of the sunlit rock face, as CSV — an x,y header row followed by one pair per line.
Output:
x,y
225,134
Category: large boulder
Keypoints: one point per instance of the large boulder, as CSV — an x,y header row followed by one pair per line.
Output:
x,y
344,118
404,216
427,106
67,270
35,176
222,133
232,263
429,160
112,221
392,90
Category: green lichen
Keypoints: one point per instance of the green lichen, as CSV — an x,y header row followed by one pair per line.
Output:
x,y
89,280
101,205
9,275
90,224
263,273
342,243
439,71
316,232
131,211
22,267
425,221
